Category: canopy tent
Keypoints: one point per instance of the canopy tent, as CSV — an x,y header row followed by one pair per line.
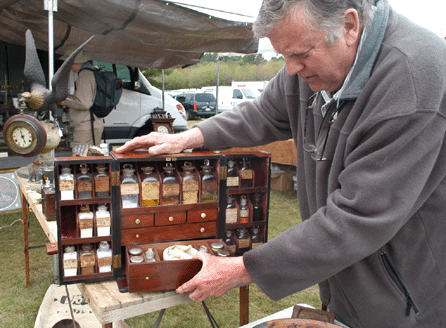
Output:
x,y
141,33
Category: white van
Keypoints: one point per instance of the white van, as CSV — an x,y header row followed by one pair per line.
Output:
x,y
228,97
131,117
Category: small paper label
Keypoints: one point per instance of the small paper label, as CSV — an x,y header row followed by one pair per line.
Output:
x,y
87,260
254,245
70,264
190,197
66,185
246,174
232,182
171,189
103,222
243,243
105,261
190,185
150,190
84,186
209,185
231,215
129,189
85,223
102,184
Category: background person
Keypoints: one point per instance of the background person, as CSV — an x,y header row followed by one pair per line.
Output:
x,y
80,102
363,94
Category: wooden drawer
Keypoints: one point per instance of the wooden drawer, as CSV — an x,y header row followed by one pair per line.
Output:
x,y
163,275
163,219
202,215
137,221
172,232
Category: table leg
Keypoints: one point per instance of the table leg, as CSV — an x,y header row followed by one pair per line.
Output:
x,y
244,305
25,235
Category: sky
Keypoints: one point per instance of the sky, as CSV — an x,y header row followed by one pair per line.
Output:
x,y
430,14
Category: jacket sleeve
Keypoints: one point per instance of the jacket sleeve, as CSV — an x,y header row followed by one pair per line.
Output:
x,y
251,123
385,181
85,91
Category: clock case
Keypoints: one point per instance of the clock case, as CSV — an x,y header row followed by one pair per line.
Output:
x,y
153,226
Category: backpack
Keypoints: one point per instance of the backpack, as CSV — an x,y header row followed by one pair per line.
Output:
x,y
108,92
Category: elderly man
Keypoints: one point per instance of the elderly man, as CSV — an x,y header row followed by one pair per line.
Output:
x,y
363,94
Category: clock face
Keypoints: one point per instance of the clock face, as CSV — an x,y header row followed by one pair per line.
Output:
x,y
24,135
162,129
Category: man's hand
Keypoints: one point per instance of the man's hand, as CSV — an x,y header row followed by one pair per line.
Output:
x,y
161,143
217,276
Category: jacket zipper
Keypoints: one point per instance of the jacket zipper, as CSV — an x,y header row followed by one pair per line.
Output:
x,y
394,276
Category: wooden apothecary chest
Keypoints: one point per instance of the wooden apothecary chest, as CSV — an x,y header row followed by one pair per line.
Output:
x,y
194,219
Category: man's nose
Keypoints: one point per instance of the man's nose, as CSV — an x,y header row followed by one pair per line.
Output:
x,y
294,66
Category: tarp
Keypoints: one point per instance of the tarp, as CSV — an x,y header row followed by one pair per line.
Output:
x,y
140,33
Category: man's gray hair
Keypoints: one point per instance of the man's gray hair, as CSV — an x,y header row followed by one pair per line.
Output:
x,y
324,15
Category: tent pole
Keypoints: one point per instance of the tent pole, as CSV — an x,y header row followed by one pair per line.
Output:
x,y
162,71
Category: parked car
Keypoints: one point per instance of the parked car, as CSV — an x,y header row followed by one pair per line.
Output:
x,y
200,104
228,97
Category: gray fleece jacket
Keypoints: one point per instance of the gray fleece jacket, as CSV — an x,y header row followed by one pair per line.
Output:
x,y
374,213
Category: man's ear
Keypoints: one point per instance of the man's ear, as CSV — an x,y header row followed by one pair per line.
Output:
x,y
352,26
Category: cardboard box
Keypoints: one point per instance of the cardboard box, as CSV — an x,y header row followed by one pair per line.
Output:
x,y
282,152
283,181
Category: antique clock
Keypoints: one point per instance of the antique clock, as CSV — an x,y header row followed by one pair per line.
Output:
x,y
161,121
24,135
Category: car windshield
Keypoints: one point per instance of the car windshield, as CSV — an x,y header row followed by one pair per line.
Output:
x,y
204,97
251,93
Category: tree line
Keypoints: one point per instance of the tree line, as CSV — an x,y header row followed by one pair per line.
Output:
x,y
232,68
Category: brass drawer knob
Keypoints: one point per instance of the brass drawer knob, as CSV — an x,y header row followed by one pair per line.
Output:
x,y
170,218
137,221
203,215
202,230
137,236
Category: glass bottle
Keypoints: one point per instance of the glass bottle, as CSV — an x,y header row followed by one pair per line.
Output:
x,y
70,261
84,183
150,255
244,210
66,184
150,187
256,238
87,259
103,221
129,187
230,241
101,182
190,184
86,221
104,257
246,174
209,183
171,186
231,210
232,178
257,208
243,241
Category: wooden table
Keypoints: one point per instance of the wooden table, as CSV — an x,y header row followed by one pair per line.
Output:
x,y
106,301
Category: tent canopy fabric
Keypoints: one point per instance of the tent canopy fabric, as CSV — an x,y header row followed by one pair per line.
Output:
x,y
140,33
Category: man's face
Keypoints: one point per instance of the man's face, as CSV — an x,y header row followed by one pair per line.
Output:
x,y
307,54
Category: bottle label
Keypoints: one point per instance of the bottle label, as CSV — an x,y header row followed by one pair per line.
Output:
x,y
254,245
70,264
190,197
104,261
66,185
232,182
84,186
209,185
103,222
150,190
129,189
243,243
171,189
232,248
231,215
85,223
246,174
244,214
87,260
102,184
